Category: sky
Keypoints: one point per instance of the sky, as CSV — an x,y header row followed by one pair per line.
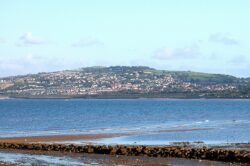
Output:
x,y
198,35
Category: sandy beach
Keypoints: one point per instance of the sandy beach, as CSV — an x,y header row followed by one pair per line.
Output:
x,y
130,154
58,138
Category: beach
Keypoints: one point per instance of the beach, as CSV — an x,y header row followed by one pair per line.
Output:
x,y
181,152
66,158
122,154
58,138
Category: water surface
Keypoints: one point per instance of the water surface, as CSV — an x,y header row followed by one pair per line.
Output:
x,y
151,121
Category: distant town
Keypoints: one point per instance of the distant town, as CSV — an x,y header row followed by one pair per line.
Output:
x,y
124,82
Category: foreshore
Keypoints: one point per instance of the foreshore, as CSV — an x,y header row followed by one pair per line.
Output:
x,y
33,157
230,153
58,138
204,153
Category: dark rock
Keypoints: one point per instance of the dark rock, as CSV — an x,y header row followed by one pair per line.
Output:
x,y
183,152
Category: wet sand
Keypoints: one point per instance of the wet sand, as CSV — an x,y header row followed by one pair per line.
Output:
x,y
94,159
128,155
58,138
87,137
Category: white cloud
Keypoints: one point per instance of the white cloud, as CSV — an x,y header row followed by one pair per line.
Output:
x,y
32,63
24,64
29,39
223,38
88,42
170,53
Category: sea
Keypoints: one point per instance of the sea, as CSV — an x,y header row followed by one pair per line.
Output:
x,y
140,121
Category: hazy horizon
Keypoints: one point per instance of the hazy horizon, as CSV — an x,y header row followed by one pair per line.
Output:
x,y
195,35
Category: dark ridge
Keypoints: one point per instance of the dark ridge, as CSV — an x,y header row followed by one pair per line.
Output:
x,y
216,154
124,82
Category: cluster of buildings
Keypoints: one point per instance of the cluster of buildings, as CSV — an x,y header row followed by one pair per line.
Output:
x,y
81,82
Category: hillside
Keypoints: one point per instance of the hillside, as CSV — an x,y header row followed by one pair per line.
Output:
x,y
124,82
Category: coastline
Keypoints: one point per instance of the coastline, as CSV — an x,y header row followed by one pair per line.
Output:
x,y
117,98
203,153
58,138
32,157
4,97
238,152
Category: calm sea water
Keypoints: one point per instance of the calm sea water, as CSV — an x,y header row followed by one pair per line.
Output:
x,y
148,121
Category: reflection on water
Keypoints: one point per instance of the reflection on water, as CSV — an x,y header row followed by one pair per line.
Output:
x,y
26,159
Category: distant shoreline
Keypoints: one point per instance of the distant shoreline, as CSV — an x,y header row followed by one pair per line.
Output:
x,y
4,98
119,98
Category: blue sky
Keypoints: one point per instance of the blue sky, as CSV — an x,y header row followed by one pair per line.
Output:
x,y
207,36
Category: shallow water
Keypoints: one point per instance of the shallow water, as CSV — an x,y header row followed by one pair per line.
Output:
x,y
24,158
29,160
149,121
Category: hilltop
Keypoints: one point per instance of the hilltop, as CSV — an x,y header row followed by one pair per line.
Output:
x,y
124,82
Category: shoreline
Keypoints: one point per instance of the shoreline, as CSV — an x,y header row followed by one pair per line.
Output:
x,y
103,98
237,152
67,158
214,154
107,138
59,138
